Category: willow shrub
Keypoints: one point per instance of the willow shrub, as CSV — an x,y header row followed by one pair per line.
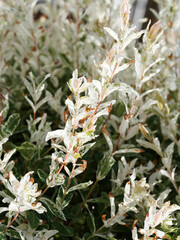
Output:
x,y
96,156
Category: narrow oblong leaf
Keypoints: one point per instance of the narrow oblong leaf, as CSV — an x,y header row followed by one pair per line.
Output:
x,y
64,230
12,234
112,33
80,186
53,208
33,219
91,222
42,175
27,150
104,166
30,103
11,124
126,150
152,146
138,64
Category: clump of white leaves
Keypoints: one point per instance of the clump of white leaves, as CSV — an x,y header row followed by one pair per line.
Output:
x,y
33,46
5,167
154,218
25,193
134,192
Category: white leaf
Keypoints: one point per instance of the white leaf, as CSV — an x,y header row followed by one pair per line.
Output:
x,y
169,150
152,146
98,85
85,148
151,65
55,134
124,126
3,209
158,146
102,112
4,140
112,33
121,68
112,204
134,234
147,78
55,179
108,139
132,150
165,173
132,132
138,64
8,155
149,91
147,106
29,87
70,106
30,103
131,37
44,100
163,196
46,77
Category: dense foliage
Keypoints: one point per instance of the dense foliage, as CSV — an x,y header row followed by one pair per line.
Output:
x,y
96,156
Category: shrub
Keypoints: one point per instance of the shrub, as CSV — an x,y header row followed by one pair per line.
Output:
x,y
104,148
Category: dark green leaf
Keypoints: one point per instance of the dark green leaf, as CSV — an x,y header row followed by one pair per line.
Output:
x,y
2,236
64,230
91,222
27,150
86,236
13,234
2,233
65,59
176,234
33,219
42,175
68,197
21,129
104,198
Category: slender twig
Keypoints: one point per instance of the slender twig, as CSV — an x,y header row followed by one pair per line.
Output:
x,y
42,193
12,220
112,75
65,159
114,149
69,181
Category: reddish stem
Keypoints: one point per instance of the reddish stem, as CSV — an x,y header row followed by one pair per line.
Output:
x,y
13,220
114,149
